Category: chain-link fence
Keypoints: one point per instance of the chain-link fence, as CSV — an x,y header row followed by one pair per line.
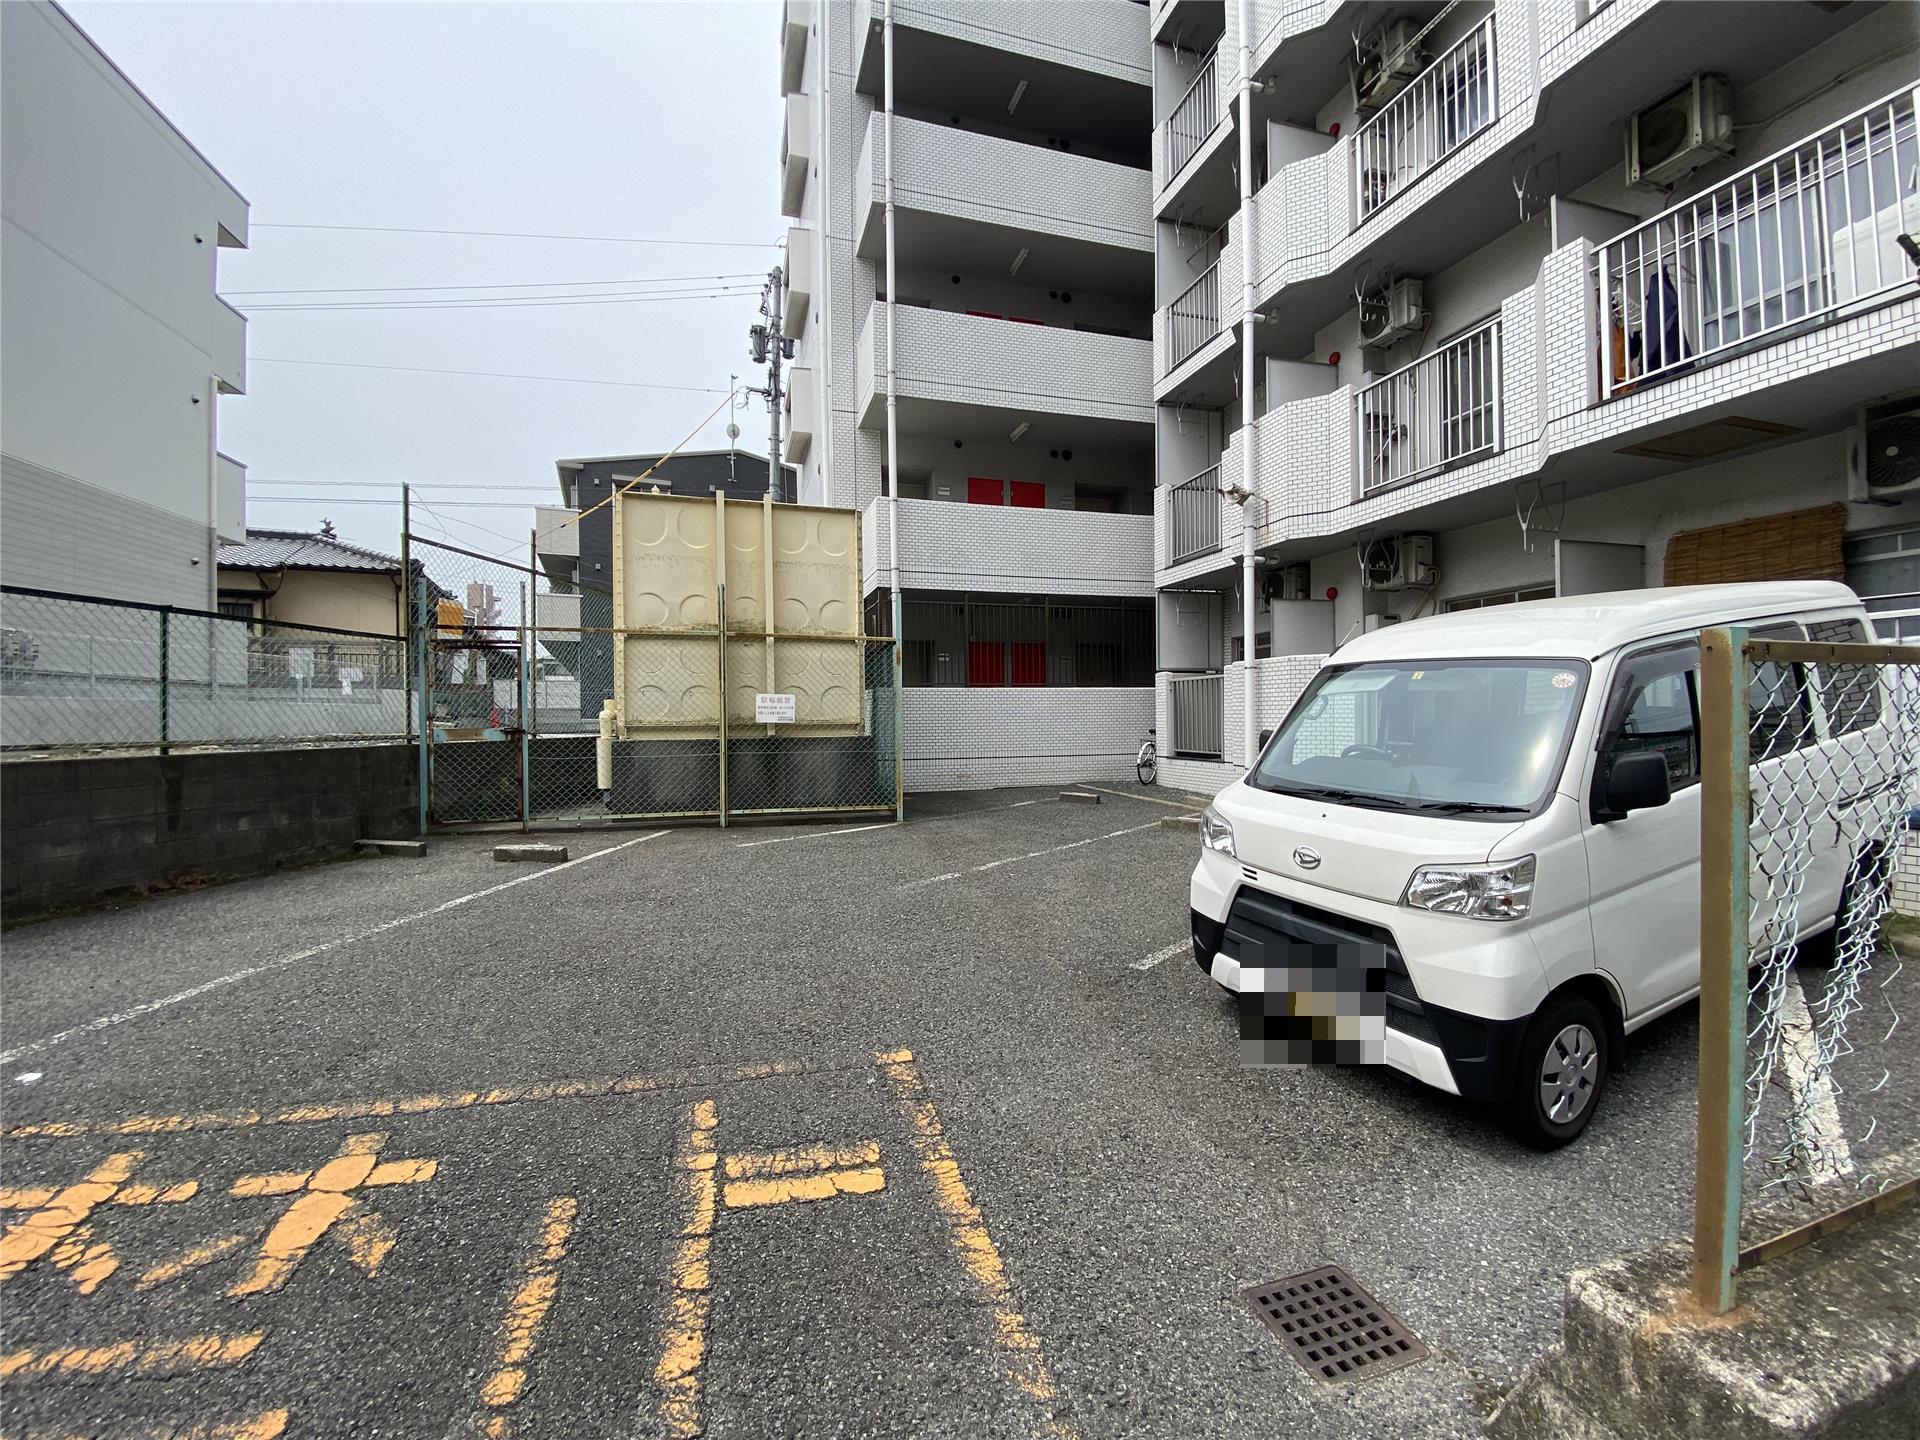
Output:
x,y
1811,773
517,669
81,672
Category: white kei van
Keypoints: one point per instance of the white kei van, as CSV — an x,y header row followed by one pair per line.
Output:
x,y
1475,800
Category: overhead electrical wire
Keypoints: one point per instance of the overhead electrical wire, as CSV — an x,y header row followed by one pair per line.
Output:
x,y
488,374
518,302
523,235
515,285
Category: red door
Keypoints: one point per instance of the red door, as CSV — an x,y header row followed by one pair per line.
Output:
x,y
986,663
1028,494
1029,663
983,491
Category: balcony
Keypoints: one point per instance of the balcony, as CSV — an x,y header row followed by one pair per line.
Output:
x,y
949,545
979,361
555,531
1008,196
796,155
1440,411
1105,38
1193,517
1446,105
1801,240
229,357
803,408
557,610
1194,118
798,17
1192,320
230,499
799,269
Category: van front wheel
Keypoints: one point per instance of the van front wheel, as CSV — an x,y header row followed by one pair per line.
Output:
x,y
1559,1074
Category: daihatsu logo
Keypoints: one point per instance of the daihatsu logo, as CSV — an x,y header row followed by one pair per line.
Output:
x,y
1307,858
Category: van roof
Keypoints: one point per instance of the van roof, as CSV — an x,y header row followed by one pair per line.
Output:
x,y
1589,626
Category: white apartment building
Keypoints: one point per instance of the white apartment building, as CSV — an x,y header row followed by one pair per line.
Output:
x,y
1474,302
115,350
1021,390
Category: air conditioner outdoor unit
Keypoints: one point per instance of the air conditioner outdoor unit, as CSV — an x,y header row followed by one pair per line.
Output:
x,y
1883,455
1392,60
1393,314
1287,582
1689,128
1396,562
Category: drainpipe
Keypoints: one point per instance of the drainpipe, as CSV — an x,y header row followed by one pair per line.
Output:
x,y
1250,739
821,279
893,447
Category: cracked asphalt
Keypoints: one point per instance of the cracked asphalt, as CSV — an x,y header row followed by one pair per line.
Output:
x,y
1076,1177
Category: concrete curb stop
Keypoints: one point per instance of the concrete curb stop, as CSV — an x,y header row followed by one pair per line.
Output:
x,y
1080,797
1180,822
404,849
540,854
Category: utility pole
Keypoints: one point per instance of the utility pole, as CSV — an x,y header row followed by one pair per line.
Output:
x,y
769,347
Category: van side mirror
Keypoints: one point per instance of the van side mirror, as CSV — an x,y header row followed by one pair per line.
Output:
x,y
1638,781
1265,735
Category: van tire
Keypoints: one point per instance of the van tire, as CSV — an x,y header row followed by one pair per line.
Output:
x,y
1562,1063
1823,950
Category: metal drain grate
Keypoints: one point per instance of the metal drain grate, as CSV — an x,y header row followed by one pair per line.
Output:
x,y
1332,1327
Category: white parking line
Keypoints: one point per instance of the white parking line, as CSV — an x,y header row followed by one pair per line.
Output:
x,y
1030,855
121,1017
1154,959
816,834
1815,1115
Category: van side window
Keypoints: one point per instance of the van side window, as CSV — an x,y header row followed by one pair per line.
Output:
x,y
1656,707
1850,694
1779,717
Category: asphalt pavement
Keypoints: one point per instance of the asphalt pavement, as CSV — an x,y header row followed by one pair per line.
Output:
x,y
927,1130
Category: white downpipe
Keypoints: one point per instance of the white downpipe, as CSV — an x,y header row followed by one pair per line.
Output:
x,y
1248,587
820,280
893,440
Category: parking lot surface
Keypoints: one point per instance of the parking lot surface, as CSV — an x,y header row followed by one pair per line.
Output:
x,y
928,1130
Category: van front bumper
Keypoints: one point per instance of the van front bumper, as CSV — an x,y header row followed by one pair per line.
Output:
x,y
1463,1054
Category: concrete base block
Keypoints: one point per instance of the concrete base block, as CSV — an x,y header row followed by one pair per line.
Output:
x,y
1180,822
405,849
544,854
1081,797
1825,1342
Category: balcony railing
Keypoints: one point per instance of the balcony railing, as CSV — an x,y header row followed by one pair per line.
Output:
x,y
1193,119
1197,705
1442,410
1193,517
1194,318
1447,104
1796,241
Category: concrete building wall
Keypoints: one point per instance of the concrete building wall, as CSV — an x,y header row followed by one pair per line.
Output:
x,y
115,347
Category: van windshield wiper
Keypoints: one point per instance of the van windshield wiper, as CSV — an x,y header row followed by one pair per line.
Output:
x,y
1466,807
1339,796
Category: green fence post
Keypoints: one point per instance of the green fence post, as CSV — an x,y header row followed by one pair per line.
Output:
x,y
166,614
1725,793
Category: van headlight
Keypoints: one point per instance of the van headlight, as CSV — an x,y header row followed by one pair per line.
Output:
x,y
1480,892
1216,833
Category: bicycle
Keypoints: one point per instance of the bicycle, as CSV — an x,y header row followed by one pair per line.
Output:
x,y
1146,763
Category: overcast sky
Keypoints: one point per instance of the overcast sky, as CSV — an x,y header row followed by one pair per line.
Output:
x,y
647,120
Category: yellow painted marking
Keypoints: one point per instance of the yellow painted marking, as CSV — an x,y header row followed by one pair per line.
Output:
x,y
86,1262
13,1199
526,1313
132,1357
745,1194
157,1194
683,1344
316,1114
1021,1358
801,1158
267,1425
46,1228
284,1183
328,1195
192,1260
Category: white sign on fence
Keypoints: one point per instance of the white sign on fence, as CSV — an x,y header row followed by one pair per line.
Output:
x,y
773,709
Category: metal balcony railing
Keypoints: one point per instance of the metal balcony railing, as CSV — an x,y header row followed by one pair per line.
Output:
x,y
1193,517
1194,118
1197,703
1443,409
1799,240
1444,106
1194,318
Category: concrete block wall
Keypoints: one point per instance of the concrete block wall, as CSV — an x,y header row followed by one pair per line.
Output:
x,y
1906,879
966,739
81,831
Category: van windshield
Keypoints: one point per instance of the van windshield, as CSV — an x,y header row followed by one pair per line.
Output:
x,y
1456,737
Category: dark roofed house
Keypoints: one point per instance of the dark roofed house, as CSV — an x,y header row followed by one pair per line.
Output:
x,y
301,579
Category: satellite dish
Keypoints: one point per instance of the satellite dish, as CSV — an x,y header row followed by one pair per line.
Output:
x,y
733,432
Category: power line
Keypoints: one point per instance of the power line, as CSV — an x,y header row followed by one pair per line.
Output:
x,y
522,235
513,302
490,374
517,285
548,488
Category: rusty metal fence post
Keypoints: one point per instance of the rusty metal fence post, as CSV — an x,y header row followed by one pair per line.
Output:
x,y
1724,910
